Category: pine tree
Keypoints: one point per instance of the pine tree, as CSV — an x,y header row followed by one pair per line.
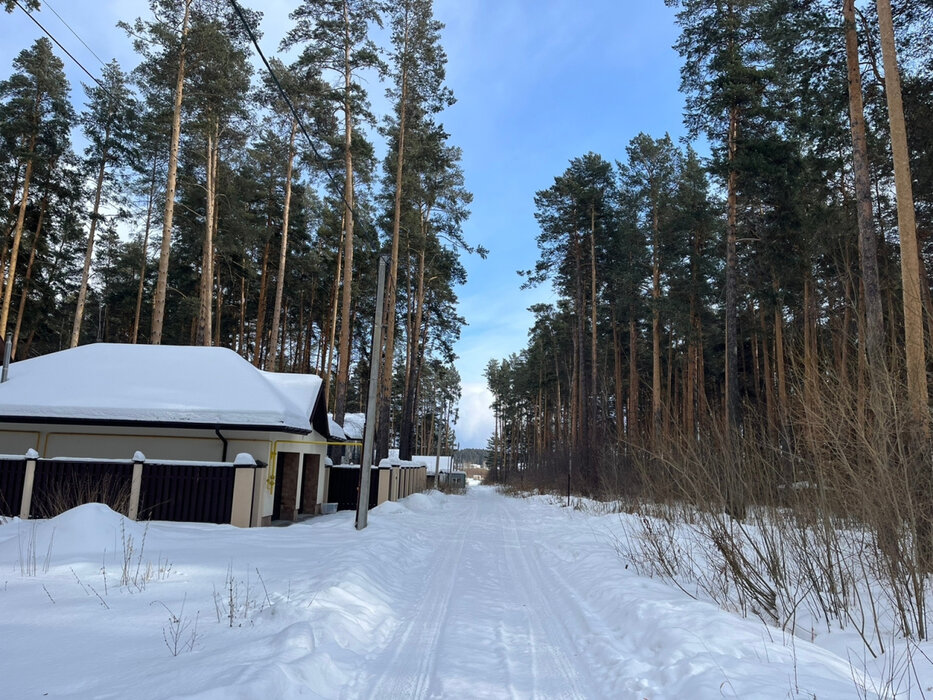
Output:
x,y
650,175
915,346
725,84
418,62
37,113
218,74
334,39
868,255
109,124
163,43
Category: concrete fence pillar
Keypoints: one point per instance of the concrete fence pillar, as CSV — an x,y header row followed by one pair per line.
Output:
x,y
136,485
241,512
30,477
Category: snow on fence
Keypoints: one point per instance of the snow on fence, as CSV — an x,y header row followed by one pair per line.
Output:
x,y
176,490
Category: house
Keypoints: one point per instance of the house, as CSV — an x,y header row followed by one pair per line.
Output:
x,y
350,434
203,404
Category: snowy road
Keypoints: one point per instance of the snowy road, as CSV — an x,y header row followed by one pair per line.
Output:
x,y
473,596
490,621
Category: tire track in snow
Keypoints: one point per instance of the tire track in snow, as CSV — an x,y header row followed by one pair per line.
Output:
x,y
549,634
607,654
410,668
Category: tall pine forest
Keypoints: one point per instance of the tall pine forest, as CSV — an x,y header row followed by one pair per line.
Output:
x,y
744,316
197,198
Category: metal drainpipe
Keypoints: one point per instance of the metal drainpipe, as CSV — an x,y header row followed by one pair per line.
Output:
x,y
224,441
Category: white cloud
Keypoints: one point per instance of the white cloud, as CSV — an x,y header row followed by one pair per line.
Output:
x,y
476,423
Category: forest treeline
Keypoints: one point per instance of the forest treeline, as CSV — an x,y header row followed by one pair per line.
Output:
x,y
215,203
736,322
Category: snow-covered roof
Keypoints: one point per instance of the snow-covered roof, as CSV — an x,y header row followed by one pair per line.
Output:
x,y
336,432
431,462
160,384
353,425
352,428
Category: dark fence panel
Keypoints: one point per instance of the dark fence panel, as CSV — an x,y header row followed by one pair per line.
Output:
x,y
374,488
12,476
342,490
184,492
63,484
345,485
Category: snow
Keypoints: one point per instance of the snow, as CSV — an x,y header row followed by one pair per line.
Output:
x,y
157,384
336,432
431,462
352,428
477,595
353,425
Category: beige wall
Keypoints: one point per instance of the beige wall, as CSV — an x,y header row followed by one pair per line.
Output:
x,y
17,442
115,442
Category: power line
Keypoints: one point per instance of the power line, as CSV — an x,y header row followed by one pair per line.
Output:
x,y
275,79
58,43
62,20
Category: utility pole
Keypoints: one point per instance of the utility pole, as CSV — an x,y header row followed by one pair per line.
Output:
x,y
366,461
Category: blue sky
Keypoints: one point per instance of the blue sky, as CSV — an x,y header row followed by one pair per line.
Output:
x,y
538,82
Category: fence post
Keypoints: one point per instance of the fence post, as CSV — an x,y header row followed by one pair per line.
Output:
x,y
241,510
28,480
393,488
136,485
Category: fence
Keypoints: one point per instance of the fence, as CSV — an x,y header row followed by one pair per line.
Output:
x,y
388,483
207,492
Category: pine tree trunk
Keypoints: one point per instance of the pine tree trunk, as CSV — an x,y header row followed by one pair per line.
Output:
x,y
17,238
409,418
328,353
261,311
241,335
767,373
158,302
906,227
617,376
8,231
385,383
28,277
283,249
580,435
89,252
780,363
594,369
655,327
868,246
632,421
218,300
810,362
343,353
756,358
205,296
731,396
145,255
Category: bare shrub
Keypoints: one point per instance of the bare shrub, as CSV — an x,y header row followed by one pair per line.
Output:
x,y
77,489
826,509
180,633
